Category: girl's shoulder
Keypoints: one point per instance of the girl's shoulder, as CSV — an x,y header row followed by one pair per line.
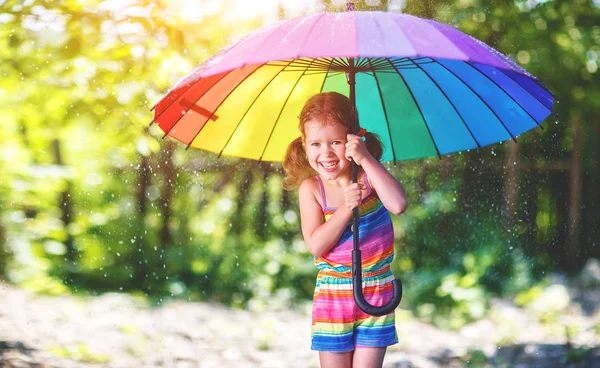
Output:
x,y
309,188
309,184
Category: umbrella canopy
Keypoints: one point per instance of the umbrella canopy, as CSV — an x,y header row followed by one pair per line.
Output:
x,y
424,87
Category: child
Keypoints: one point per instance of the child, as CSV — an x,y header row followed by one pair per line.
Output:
x,y
319,162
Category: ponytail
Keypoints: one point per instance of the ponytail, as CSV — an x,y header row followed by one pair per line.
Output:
x,y
374,145
295,165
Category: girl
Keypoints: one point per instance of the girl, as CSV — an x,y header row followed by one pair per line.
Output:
x,y
319,162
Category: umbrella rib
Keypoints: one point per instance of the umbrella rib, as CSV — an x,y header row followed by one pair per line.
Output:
x,y
343,62
542,85
280,112
324,79
452,104
298,69
480,98
332,74
317,72
339,63
387,121
408,63
402,64
380,63
248,109
217,108
362,63
506,93
418,108
401,60
302,61
192,105
533,80
376,64
153,107
181,98
387,71
325,62
310,61
320,63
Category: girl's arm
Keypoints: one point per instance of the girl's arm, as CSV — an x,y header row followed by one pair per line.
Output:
x,y
388,189
319,236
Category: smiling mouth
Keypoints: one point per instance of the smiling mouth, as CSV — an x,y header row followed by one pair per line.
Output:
x,y
329,165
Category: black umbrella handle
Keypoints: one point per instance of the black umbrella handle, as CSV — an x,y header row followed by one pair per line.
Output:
x,y
358,294
357,270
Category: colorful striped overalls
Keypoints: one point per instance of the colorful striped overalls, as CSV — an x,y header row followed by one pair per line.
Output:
x,y
338,325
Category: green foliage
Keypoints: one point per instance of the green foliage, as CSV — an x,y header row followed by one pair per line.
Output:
x,y
450,279
578,355
475,358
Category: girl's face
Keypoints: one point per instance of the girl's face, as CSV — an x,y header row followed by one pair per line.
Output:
x,y
325,147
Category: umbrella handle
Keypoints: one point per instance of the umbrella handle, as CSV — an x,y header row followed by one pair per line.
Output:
x,y
357,270
358,294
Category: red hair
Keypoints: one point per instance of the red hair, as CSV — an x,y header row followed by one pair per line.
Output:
x,y
326,108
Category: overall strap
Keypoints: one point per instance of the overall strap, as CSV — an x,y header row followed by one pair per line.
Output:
x,y
323,201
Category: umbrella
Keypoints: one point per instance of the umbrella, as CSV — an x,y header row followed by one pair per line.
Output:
x,y
424,87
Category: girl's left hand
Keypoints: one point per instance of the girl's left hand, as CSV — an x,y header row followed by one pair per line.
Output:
x,y
356,149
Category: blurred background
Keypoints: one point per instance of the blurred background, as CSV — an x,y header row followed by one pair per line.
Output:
x,y
93,200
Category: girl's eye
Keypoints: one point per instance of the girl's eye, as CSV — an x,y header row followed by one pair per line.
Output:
x,y
337,142
314,144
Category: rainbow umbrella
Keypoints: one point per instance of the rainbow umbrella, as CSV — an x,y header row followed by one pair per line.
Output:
x,y
424,87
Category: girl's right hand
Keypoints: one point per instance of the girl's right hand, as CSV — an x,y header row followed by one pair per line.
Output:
x,y
353,195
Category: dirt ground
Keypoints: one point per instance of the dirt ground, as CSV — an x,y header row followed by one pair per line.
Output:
x,y
116,330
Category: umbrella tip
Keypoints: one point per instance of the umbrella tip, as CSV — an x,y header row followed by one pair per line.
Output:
x,y
350,6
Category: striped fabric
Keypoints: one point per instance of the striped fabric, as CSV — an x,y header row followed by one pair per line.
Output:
x,y
338,325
